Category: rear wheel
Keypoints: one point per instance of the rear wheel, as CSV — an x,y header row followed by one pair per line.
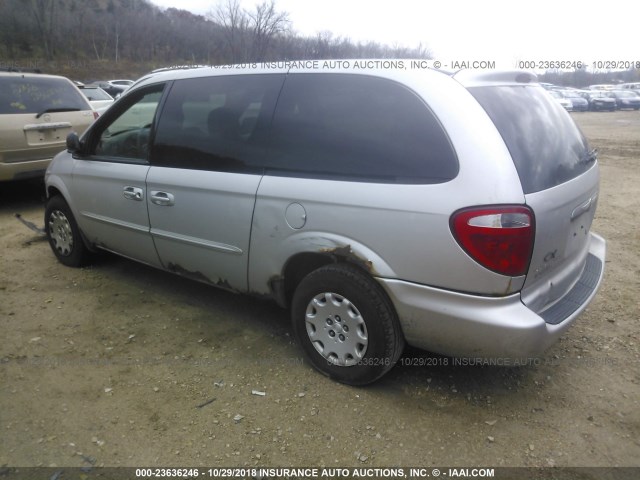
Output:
x,y
63,233
346,324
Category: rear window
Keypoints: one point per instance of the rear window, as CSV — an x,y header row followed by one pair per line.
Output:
x,y
546,145
20,94
95,94
356,127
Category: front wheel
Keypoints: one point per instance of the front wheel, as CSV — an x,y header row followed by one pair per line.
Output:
x,y
63,233
346,324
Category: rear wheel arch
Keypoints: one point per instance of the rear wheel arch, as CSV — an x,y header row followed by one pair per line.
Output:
x,y
295,269
302,264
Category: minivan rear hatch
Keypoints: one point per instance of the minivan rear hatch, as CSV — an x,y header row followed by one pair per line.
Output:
x,y
559,176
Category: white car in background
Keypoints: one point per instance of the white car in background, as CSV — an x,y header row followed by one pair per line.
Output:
x,y
578,102
562,100
123,83
98,98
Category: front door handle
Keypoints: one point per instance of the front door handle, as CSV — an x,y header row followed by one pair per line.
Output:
x,y
162,198
133,193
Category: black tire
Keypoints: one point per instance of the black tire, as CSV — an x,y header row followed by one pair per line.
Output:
x,y
63,234
369,330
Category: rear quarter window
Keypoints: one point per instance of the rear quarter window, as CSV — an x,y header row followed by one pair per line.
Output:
x,y
546,145
357,127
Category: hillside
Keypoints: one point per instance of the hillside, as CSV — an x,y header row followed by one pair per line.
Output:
x,y
89,39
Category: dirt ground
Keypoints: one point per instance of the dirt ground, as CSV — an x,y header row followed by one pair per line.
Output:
x,y
119,364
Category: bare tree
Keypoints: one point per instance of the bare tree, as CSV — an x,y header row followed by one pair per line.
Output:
x,y
250,34
43,12
266,23
139,31
235,23
14,29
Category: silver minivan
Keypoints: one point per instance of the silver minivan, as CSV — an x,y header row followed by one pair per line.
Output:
x,y
381,206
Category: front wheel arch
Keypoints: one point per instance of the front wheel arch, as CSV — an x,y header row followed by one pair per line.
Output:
x,y
65,237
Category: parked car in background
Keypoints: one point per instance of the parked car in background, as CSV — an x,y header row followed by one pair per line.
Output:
x,y
579,104
599,100
630,86
112,89
625,99
561,99
603,86
123,83
459,221
97,97
37,112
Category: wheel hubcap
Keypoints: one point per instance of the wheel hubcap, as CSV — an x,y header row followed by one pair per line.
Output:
x,y
60,233
336,329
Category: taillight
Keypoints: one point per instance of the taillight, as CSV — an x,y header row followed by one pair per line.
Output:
x,y
498,238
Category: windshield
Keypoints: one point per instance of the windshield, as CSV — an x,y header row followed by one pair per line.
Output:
x,y
546,145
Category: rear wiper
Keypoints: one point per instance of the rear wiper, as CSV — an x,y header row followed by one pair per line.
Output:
x,y
57,109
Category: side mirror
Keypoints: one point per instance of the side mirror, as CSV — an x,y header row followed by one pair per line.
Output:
x,y
73,143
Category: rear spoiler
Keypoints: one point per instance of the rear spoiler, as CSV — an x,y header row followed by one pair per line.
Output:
x,y
470,78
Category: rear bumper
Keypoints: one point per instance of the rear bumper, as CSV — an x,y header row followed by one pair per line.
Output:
x,y
23,170
463,325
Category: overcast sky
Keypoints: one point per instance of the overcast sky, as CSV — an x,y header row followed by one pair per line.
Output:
x,y
504,31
